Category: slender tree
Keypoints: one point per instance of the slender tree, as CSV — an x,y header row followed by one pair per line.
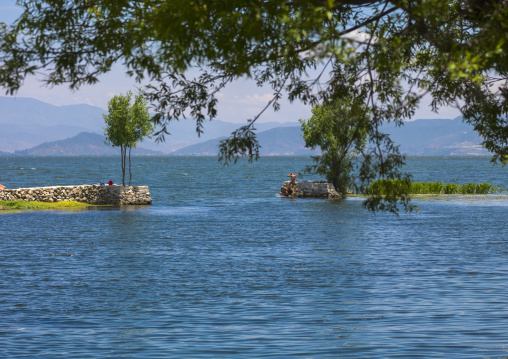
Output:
x,y
126,125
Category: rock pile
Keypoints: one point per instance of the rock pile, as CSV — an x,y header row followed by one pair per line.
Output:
x,y
92,194
314,189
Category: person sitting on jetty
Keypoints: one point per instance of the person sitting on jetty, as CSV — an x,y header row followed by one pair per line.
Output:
x,y
292,183
284,191
110,182
2,187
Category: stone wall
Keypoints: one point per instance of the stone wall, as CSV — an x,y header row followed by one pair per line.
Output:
x,y
92,194
314,189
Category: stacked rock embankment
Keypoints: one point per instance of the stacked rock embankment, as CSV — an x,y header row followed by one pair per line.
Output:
x,y
313,189
92,194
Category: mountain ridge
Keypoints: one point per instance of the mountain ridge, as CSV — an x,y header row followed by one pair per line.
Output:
x,y
84,144
439,137
28,123
279,141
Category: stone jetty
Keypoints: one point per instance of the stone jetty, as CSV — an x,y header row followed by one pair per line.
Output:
x,y
92,194
314,189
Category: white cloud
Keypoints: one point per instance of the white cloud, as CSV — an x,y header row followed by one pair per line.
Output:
x,y
256,99
358,35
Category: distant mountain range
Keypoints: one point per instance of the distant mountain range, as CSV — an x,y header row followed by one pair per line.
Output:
x,y
31,127
436,137
278,141
84,144
26,122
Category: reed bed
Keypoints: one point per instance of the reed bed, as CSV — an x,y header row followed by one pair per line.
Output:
x,y
385,187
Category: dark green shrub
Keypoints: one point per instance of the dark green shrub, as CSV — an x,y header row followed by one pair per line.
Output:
x,y
451,188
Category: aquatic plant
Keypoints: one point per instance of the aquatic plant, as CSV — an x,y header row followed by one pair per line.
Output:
x,y
41,205
385,187
451,188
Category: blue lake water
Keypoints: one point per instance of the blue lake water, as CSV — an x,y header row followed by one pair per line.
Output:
x,y
219,266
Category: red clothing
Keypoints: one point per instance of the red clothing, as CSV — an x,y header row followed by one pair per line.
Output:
x,y
110,182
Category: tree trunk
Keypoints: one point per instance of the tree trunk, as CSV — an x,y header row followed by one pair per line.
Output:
x,y
123,151
130,173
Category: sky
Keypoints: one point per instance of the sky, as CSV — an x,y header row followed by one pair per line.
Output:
x,y
238,102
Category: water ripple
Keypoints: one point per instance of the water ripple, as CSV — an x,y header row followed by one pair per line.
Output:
x,y
230,270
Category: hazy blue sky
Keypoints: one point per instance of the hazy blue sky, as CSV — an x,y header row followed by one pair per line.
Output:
x,y
238,102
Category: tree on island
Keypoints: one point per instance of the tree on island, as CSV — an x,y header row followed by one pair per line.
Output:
x,y
389,54
126,125
340,130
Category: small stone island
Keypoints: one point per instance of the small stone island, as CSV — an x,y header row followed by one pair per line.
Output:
x,y
313,189
91,194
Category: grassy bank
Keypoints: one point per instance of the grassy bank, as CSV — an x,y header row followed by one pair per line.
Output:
x,y
20,205
384,187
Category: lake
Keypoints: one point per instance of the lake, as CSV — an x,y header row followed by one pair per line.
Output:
x,y
220,266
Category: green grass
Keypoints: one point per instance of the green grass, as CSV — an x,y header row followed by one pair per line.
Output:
x,y
19,205
384,187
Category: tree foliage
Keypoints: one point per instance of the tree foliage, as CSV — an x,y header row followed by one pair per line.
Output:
x,y
340,130
388,54
126,125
